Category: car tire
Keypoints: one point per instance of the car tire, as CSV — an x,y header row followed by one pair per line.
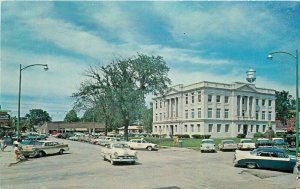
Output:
x,y
104,158
41,154
61,151
251,165
149,148
202,151
133,162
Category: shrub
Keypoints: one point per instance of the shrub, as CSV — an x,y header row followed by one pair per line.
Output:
x,y
197,136
259,135
183,136
241,136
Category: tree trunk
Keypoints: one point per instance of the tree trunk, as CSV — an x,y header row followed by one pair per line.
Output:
x,y
126,124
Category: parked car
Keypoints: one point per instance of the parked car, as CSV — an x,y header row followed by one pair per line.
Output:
x,y
118,152
279,143
208,145
142,144
44,148
265,158
246,144
76,137
263,142
107,140
227,145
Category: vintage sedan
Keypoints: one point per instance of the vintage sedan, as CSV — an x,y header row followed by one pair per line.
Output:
x,y
265,158
43,148
227,145
142,144
279,143
263,143
246,144
118,152
207,145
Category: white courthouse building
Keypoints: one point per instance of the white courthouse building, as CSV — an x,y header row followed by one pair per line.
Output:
x,y
217,109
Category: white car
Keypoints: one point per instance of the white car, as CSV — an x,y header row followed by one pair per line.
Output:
x,y
227,145
246,144
142,144
118,152
208,145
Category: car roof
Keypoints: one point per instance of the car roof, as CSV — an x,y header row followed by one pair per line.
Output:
x,y
269,149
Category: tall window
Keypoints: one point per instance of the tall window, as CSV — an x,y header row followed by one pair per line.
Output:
x,y
155,128
257,102
263,102
263,115
175,128
192,128
210,128
186,98
256,115
199,112
209,113
198,126
193,113
226,114
257,128
270,102
156,117
209,98
218,98
251,130
239,128
218,128
193,98
185,128
218,113
160,104
155,104
199,96
226,128
243,100
160,116
226,99
264,128
269,115
186,114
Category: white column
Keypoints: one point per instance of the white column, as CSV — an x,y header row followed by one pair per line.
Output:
x,y
253,107
241,105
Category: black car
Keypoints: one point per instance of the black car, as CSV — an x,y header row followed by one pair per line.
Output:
x,y
263,142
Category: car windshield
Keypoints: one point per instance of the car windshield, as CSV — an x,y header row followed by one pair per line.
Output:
x,y
263,140
208,142
278,141
119,145
246,141
228,142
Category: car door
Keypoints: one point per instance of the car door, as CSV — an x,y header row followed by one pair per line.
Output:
x,y
264,160
280,161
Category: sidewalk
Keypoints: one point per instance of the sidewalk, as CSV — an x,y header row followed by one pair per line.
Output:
x,y
7,157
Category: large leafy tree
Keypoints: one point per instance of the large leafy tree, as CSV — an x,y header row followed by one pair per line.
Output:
x,y
71,116
284,104
147,118
37,117
119,88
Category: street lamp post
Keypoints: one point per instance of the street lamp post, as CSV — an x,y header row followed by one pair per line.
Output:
x,y
19,100
297,95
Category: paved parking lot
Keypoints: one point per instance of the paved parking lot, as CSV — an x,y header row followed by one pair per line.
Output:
x,y
82,167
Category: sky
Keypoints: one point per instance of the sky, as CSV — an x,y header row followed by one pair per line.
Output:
x,y
199,40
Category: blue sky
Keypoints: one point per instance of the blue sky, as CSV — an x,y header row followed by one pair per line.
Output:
x,y
211,41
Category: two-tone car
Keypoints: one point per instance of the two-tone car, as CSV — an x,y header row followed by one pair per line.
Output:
x,y
43,148
246,144
207,145
265,158
118,152
142,144
227,145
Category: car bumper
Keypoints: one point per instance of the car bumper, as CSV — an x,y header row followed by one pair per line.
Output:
x,y
124,159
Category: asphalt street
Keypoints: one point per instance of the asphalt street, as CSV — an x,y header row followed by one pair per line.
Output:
x,y
83,167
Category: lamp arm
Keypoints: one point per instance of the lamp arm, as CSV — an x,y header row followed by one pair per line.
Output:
x,y
282,52
33,65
